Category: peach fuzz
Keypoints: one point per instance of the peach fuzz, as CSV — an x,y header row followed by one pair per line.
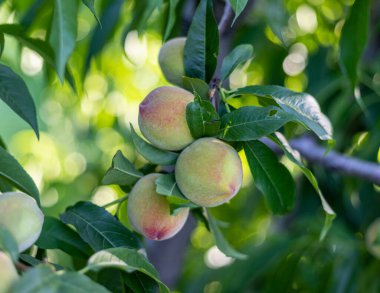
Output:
x,y
209,172
149,212
162,118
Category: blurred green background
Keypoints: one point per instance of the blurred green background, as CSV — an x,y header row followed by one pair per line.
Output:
x,y
296,45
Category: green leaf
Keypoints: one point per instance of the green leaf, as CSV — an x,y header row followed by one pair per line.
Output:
x,y
271,177
122,171
220,241
196,85
295,157
98,227
90,5
239,55
301,106
151,153
2,43
354,39
167,186
8,244
202,118
56,235
140,283
202,43
250,122
101,34
128,260
238,7
42,279
63,33
37,45
171,18
12,171
15,93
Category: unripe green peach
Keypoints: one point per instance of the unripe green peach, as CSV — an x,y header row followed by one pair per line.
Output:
x,y
209,172
8,273
171,61
162,118
21,216
149,212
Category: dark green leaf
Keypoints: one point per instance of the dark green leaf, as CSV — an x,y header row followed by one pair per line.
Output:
x,y
14,92
220,241
63,33
301,106
31,14
122,171
151,153
140,283
12,171
42,279
202,118
238,7
8,244
295,157
98,227
125,259
37,45
202,43
271,177
171,18
2,144
2,43
32,261
56,235
101,34
248,123
90,5
112,279
354,39
238,56
196,85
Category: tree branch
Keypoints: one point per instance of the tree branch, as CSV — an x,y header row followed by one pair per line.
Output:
x,y
335,161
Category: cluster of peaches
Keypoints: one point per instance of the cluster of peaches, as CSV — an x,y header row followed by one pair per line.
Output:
x,y
208,171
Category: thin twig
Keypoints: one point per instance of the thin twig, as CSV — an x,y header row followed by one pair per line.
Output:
x,y
226,19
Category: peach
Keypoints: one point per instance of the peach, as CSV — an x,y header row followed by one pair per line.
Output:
x,y
22,217
149,212
162,118
171,61
209,172
8,273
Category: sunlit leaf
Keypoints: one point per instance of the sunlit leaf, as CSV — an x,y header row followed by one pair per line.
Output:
x,y
125,259
42,279
202,43
15,93
13,172
98,227
271,177
63,33
301,106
